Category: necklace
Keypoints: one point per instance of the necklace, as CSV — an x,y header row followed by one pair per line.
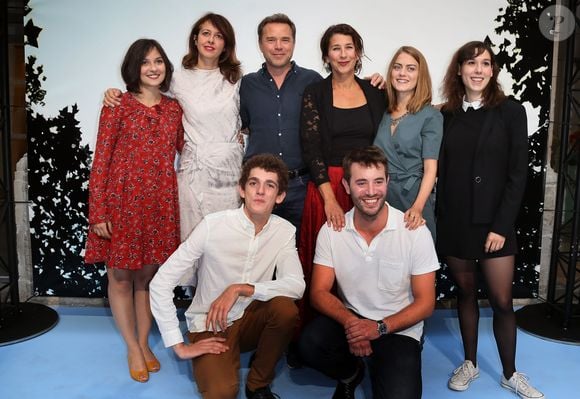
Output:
x,y
395,121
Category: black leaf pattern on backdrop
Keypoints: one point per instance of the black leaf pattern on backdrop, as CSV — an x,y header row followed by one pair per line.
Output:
x,y
531,68
58,172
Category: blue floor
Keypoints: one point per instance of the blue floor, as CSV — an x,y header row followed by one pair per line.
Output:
x,y
84,357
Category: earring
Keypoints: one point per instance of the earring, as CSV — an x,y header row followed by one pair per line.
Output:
x,y
358,66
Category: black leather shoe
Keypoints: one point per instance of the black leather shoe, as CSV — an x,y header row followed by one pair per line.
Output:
x,y
293,358
345,390
261,393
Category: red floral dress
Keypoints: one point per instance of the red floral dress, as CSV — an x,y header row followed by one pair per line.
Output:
x,y
133,184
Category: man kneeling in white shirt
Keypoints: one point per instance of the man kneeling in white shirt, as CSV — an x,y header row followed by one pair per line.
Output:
x,y
385,277
237,299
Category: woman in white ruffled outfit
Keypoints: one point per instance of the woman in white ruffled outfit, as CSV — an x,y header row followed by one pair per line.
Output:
x,y
207,88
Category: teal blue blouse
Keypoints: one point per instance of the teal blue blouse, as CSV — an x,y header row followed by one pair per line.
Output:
x,y
417,137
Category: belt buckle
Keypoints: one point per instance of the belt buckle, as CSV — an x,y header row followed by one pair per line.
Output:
x,y
297,172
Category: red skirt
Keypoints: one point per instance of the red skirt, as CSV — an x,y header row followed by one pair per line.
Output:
x,y
313,217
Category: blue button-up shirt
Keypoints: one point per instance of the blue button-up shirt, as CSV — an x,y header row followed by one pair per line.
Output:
x,y
272,115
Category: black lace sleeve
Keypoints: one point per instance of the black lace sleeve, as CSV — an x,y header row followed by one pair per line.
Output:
x,y
311,138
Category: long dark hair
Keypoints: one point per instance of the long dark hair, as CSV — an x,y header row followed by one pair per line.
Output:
x,y
453,88
228,62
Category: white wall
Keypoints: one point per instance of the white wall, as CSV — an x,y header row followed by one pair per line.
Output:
x,y
83,41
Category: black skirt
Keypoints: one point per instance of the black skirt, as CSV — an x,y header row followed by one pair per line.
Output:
x,y
467,240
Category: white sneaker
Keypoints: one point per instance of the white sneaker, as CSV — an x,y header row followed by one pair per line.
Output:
x,y
462,376
519,384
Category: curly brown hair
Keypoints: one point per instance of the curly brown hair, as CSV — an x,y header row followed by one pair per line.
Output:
x,y
270,163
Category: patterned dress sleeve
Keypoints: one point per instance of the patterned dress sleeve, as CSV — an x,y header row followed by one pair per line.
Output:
x,y
109,126
311,138
180,131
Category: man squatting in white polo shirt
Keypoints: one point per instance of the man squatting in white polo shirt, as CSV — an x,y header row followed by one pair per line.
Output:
x,y
385,277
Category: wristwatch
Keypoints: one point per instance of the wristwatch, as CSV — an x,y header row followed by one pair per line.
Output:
x,y
381,328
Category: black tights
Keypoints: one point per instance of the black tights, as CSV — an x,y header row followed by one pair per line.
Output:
x,y
498,273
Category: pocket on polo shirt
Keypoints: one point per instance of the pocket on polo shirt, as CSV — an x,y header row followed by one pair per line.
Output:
x,y
390,275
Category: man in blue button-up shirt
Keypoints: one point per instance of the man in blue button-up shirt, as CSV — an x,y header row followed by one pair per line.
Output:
x,y
270,104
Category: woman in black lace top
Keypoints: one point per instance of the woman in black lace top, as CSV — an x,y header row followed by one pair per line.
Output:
x,y
340,113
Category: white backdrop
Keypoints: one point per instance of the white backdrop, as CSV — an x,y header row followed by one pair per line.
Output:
x,y
83,42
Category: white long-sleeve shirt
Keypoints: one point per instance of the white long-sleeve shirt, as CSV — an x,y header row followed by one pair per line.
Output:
x,y
229,252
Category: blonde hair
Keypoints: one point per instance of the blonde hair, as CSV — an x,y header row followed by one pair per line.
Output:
x,y
423,91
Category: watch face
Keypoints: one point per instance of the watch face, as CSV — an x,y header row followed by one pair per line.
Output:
x,y
382,327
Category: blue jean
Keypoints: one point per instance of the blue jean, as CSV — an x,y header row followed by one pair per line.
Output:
x,y
395,364
292,206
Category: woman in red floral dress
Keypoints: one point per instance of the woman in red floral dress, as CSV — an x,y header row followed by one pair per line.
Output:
x,y
133,205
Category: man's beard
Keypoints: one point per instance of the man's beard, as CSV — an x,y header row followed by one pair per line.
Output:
x,y
362,208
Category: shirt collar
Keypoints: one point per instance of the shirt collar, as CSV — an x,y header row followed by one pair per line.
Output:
x,y
244,220
477,104
293,69
247,224
392,223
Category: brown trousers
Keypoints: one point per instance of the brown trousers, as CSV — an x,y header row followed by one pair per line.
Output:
x,y
266,327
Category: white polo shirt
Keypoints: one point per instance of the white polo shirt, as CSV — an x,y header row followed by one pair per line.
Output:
x,y
374,280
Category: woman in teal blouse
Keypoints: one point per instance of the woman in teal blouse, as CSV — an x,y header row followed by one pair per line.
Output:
x,y
410,134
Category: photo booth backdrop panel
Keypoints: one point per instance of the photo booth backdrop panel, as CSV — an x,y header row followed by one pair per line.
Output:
x,y
75,53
